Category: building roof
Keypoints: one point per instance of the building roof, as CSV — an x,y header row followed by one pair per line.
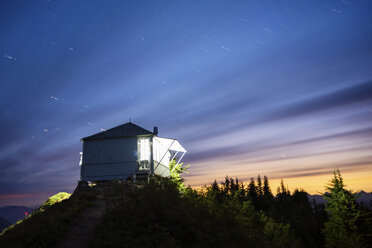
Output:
x,y
126,130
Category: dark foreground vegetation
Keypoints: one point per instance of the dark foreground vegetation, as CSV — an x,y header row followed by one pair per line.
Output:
x,y
47,225
159,216
163,213
233,214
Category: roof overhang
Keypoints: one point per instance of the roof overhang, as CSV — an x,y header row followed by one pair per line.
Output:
x,y
89,138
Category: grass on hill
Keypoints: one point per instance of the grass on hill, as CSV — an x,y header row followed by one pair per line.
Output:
x,y
47,225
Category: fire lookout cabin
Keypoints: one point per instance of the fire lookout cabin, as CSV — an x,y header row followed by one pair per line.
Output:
x,y
126,151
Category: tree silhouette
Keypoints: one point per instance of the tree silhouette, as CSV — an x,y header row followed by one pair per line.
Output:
x,y
266,189
259,186
342,228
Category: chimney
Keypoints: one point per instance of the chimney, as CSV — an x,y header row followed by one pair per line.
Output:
x,y
156,131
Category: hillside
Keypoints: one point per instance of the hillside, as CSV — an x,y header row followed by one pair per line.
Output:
x,y
157,214
64,220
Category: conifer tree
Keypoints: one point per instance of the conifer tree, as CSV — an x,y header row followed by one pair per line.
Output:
x,y
215,186
341,230
282,190
266,189
176,171
226,186
252,190
259,186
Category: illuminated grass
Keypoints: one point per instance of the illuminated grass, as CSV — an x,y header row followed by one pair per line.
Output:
x,y
53,200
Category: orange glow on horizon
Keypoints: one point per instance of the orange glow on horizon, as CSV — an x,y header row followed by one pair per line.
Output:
x,y
355,181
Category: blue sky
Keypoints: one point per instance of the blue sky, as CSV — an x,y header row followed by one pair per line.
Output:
x,y
281,88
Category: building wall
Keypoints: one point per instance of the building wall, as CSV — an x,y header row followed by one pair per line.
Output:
x,y
110,151
99,172
109,159
119,159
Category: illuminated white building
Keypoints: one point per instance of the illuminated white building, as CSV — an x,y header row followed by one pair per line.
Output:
x,y
125,151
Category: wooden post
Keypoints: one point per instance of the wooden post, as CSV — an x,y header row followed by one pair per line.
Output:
x,y
151,156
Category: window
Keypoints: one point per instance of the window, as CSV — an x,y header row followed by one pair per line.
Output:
x,y
144,149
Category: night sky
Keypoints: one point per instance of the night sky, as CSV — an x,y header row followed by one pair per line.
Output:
x,y
277,88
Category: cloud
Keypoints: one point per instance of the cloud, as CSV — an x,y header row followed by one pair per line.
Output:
x,y
346,96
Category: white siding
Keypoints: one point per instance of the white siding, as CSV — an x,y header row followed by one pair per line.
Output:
x,y
110,151
109,159
98,172
123,149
